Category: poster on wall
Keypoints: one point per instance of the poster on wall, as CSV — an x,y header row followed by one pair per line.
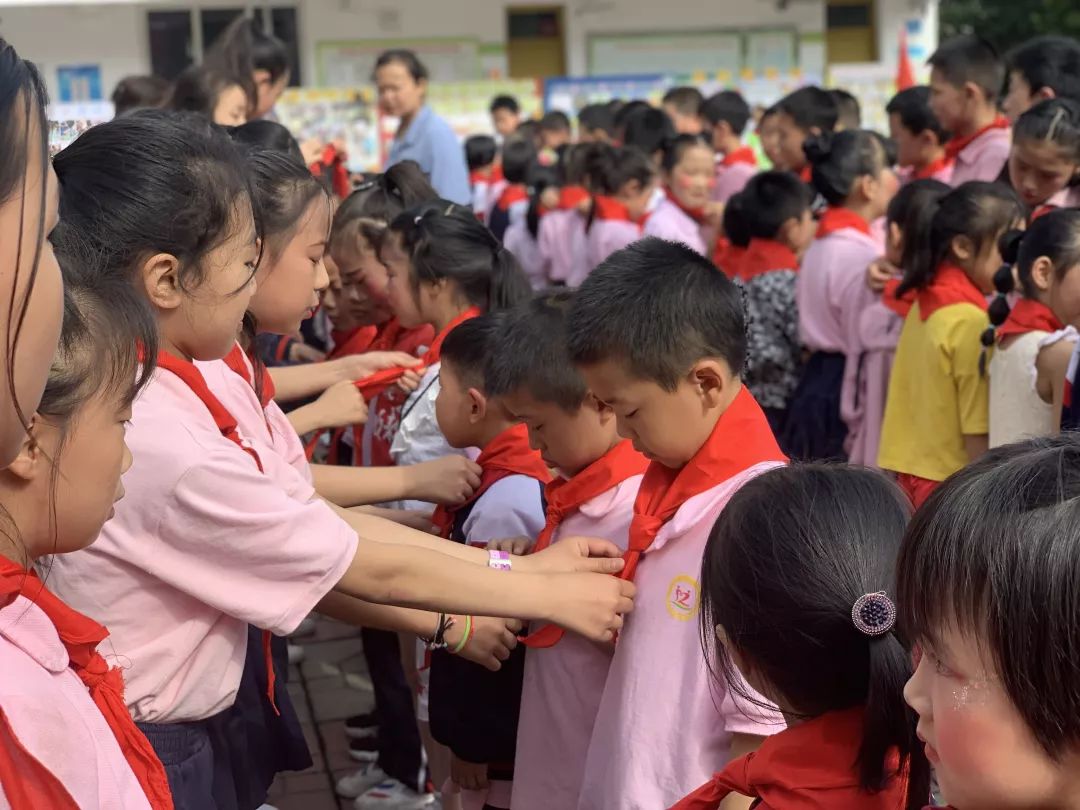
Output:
x,y
569,95
345,116
79,83
67,121
349,63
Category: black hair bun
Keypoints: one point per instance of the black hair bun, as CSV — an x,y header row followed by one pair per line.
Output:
x,y
1005,279
818,147
1009,247
999,310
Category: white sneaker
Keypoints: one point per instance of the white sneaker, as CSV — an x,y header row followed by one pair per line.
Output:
x,y
364,779
392,795
296,654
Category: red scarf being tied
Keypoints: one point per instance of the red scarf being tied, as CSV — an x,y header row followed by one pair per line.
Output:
x,y
744,154
836,219
957,145
610,209
696,214
950,285
26,783
571,197
512,195
1029,316
505,455
806,767
564,496
928,171
765,256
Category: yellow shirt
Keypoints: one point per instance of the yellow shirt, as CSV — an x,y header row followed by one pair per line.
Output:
x,y
936,394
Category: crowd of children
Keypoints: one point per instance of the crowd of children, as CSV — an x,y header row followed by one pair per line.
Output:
x,y
559,453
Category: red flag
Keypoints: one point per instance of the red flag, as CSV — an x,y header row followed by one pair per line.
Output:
x,y
905,73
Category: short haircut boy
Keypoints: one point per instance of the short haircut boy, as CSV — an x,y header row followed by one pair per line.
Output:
x,y
729,107
685,100
517,155
848,109
770,199
555,121
480,151
912,107
530,353
970,58
660,307
508,103
810,108
1048,63
649,129
467,346
597,117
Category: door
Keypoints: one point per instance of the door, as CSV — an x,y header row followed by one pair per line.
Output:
x,y
535,43
850,34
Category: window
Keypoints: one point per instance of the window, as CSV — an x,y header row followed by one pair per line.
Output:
x,y
171,46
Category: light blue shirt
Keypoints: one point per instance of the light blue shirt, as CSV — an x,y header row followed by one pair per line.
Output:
x,y
431,142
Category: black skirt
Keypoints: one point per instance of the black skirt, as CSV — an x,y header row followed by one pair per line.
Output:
x,y
814,430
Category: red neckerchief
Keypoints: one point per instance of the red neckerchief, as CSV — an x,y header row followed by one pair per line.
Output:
x,y
332,162
742,438
957,145
806,173
507,454
357,341
571,197
1042,211
900,305
744,154
226,423
950,285
513,194
564,496
928,171
837,218
497,175
236,361
728,257
81,636
696,214
804,767
1029,316
764,256
480,176
610,209
25,783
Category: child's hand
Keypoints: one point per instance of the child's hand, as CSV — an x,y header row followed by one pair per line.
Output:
x,y
589,604
302,353
410,380
468,775
586,554
512,545
358,366
341,404
449,480
419,519
880,273
491,642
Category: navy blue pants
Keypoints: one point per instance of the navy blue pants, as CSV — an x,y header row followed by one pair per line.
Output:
x,y
814,430
401,753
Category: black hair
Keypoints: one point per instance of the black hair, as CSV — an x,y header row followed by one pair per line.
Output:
x,y
370,209
555,121
848,111
444,240
150,182
468,345
505,103
1056,121
407,59
244,48
970,58
538,179
139,92
1050,62
282,190
575,162
840,158
649,129
198,88
912,209
729,107
597,117
517,155
480,151
912,107
993,553
977,210
785,563
610,168
622,110
810,108
735,222
660,307
265,135
768,201
675,148
687,100
530,353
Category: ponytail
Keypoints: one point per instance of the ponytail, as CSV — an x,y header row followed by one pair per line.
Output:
x,y
912,210
839,159
508,287
539,179
378,201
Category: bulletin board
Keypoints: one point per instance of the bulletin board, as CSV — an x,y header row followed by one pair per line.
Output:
x,y
348,63
67,121
343,115
611,54
772,51
873,85
569,95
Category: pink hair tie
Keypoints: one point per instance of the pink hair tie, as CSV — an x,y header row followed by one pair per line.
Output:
x,y
874,614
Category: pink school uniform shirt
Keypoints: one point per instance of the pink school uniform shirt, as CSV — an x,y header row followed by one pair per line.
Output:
x,y
730,180
983,158
564,683
606,236
564,245
664,725
864,409
202,545
670,222
52,714
526,248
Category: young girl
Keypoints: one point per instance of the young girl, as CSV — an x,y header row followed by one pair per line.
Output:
x,y
936,414
689,172
258,59
852,171
622,182
986,584
1044,162
561,236
1025,403
215,96
522,237
219,530
795,588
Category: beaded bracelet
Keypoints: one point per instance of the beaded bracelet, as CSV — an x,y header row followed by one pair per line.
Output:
x,y
438,640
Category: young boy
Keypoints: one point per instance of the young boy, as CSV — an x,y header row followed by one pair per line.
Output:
x,y
727,115
683,106
966,77
513,203
473,711
593,496
920,138
485,175
659,337
776,209
1042,68
596,124
808,111
554,130
505,115
848,110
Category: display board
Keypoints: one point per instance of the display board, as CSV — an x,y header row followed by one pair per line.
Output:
x,y
348,63
569,95
873,85
611,54
68,121
347,116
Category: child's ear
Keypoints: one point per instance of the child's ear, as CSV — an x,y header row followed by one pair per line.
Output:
x,y
1043,93
972,92
711,377
161,279
1042,273
30,463
865,185
603,411
478,405
789,231
963,248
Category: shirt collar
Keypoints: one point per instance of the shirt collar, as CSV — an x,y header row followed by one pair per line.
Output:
x,y
415,133
27,627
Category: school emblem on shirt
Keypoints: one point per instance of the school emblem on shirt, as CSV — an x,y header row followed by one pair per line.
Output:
x,y
683,598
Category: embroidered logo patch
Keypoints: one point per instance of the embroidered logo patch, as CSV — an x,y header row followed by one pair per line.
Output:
x,y
683,598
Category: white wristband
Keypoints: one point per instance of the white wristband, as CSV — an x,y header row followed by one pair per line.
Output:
x,y
499,560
